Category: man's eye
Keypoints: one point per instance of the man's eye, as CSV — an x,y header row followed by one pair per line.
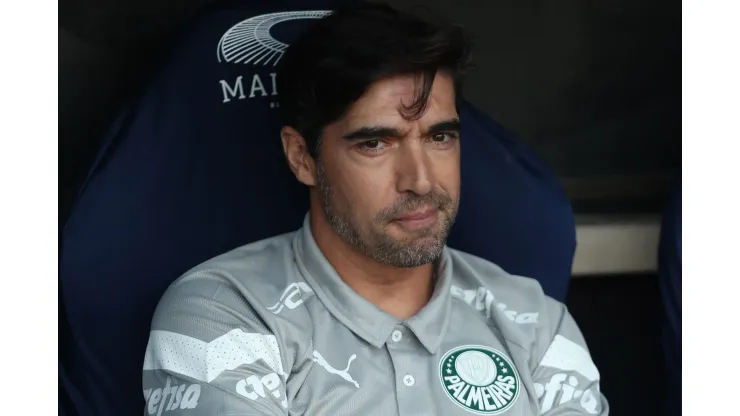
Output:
x,y
374,145
443,137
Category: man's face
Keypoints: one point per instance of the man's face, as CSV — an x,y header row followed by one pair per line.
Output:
x,y
390,186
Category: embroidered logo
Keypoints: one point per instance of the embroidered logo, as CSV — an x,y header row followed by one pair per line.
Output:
x,y
479,379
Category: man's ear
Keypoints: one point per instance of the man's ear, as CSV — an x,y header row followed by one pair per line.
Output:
x,y
299,159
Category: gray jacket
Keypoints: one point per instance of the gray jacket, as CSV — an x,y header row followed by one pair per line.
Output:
x,y
271,329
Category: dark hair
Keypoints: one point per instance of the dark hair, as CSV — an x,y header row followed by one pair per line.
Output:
x,y
337,59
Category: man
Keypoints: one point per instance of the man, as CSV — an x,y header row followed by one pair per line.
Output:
x,y
364,310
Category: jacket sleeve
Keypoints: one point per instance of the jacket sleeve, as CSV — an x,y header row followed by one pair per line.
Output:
x,y
565,379
211,353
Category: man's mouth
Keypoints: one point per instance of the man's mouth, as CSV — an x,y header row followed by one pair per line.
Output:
x,y
419,218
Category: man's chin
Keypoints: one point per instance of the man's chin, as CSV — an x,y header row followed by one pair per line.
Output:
x,y
419,254
426,246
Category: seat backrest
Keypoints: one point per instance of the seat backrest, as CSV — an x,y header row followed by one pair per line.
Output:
x,y
193,167
670,283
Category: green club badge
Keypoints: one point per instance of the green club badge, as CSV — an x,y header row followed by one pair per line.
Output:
x,y
479,379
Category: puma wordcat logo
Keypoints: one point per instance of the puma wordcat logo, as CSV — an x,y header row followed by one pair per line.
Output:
x,y
341,373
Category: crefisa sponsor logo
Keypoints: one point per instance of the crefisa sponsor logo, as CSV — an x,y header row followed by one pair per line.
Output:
x,y
251,43
562,389
172,396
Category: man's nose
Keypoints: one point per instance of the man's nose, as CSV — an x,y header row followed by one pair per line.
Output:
x,y
415,173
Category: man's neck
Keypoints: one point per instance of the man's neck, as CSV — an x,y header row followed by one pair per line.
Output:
x,y
401,292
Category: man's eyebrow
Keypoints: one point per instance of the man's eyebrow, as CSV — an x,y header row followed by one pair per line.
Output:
x,y
452,124
373,132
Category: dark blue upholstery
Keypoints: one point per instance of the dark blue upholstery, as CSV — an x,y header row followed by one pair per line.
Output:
x,y
193,168
670,277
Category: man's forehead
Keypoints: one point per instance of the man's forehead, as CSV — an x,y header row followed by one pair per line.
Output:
x,y
383,102
387,96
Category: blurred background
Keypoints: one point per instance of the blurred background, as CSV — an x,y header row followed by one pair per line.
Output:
x,y
592,86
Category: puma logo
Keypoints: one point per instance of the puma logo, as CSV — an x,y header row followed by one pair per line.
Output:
x,y
341,373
